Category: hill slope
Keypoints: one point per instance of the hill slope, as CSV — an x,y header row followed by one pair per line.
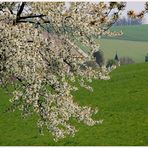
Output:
x,y
123,106
133,43
134,49
132,32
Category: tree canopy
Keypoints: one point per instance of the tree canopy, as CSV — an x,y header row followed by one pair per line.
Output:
x,y
41,66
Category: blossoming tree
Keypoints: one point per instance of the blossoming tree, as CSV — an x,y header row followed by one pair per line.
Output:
x,y
42,68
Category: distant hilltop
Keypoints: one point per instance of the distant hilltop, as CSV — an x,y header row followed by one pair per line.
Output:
x,y
131,32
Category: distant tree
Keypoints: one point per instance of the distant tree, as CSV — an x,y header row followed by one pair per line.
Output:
x,y
99,57
128,21
126,60
146,58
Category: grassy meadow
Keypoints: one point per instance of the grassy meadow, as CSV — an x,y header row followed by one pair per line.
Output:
x,y
122,101
136,50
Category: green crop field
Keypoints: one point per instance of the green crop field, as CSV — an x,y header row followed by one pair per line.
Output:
x,y
122,101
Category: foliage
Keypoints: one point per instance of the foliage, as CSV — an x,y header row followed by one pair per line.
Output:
x,y
146,58
99,57
43,65
110,63
91,64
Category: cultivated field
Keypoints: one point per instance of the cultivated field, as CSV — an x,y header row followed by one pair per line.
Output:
x,y
123,106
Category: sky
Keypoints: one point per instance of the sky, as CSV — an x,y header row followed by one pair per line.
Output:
x,y
137,6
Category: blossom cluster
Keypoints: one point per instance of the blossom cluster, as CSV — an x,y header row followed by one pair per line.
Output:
x,y
139,15
44,67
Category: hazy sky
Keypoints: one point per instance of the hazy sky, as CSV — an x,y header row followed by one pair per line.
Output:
x,y
137,6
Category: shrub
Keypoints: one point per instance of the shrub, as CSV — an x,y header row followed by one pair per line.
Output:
x,y
99,57
110,63
146,58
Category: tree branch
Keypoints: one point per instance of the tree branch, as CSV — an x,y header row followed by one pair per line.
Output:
x,y
31,16
20,10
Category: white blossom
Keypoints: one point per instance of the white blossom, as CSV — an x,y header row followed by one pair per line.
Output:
x,y
46,67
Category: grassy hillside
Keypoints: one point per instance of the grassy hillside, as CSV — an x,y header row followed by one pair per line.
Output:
x,y
132,32
135,49
123,106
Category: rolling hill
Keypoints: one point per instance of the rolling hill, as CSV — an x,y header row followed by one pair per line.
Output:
x,y
133,44
136,50
131,33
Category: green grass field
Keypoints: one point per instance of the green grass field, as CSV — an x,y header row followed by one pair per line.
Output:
x,y
122,101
